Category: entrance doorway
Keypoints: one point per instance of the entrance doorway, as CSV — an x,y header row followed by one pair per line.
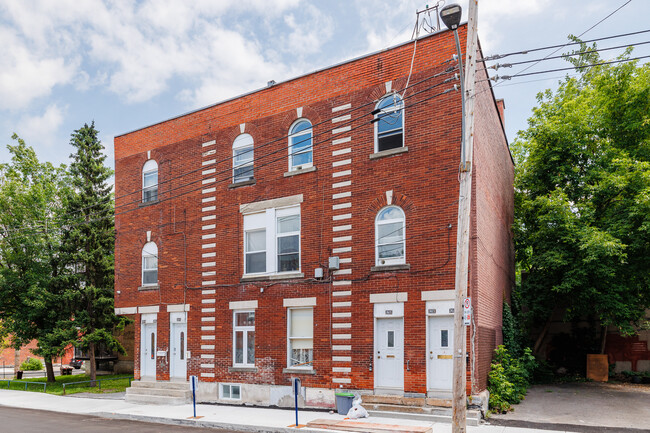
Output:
x,y
440,339
148,340
389,348
178,343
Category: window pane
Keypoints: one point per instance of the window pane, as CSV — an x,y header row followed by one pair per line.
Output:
x,y
301,356
239,347
302,323
288,244
235,392
225,391
390,233
245,319
250,348
182,342
150,179
300,126
243,173
389,142
289,224
288,262
300,142
256,240
389,122
150,262
390,213
390,339
302,158
255,262
150,194
242,156
444,338
149,277
391,251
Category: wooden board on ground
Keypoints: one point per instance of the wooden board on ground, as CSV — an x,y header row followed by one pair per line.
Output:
x,y
366,427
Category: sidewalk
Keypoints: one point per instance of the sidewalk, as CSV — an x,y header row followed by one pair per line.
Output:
x,y
215,416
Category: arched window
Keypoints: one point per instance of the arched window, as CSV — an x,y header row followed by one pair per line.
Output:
x,y
300,145
390,246
242,158
150,264
389,124
150,181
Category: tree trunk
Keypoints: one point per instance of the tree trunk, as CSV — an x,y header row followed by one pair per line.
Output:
x,y
603,341
16,360
49,368
93,366
542,335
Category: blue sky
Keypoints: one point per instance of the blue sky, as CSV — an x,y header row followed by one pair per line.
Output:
x,y
128,64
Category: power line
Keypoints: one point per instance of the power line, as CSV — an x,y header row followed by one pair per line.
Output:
x,y
508,77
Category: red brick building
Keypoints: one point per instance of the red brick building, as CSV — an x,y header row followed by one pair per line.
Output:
x,y
308,230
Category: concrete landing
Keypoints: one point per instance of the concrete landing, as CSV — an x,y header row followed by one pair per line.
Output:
x,y
366,427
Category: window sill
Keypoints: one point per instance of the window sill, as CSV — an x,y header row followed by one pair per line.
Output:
x,y
388,152
299,171
386,268
145,288
310,371
148,203
242,369
242,183
287,276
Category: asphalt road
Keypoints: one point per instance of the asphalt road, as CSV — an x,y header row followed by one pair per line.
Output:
x,y
15,420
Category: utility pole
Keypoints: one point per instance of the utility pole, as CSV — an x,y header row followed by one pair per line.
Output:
x,y
459,398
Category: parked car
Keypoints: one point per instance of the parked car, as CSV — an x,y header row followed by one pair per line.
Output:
x,y
76,363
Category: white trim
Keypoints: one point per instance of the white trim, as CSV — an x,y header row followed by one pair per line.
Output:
x,y
209,171
388,297
178,308
390,310
341,315
207,310
207,374
342,283
340,163
344,216
208,208
342,250
342,184
208,319
206,246
243,305
342,239
438,295
208,292
149,309
342,293
299,302
342,118
341,107
209,162
342,129
206,181
126,310
341,304
209,143
341,151
342,228
341,195
342,173
389,197
273,203
341,359
342,347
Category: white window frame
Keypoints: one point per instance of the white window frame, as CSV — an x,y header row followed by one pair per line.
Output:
x,y
293,167
243,142
396,107
230,385
150,249
266,221
148,168
244,330
291,338
390,261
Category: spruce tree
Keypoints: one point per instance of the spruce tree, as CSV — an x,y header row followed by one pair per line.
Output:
x,y
90,240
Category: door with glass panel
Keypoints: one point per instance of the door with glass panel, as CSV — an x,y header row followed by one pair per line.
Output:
x,y
389,353
440,356
178,346
148,349
244,338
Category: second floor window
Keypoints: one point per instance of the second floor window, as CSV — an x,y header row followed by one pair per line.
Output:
x,y
272,241
242,158
300,145
150,181
389,129
390,244
150,264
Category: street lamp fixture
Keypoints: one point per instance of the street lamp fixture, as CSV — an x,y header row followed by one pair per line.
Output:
x,y
450,15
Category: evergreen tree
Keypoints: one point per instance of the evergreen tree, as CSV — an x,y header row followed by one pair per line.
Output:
x,y
90,240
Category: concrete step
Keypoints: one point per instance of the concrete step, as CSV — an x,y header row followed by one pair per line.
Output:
x,y
394,399
158,400
159,384
473,417
159,392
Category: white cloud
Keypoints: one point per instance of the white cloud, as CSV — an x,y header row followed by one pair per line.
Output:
x,y
308,32
41,130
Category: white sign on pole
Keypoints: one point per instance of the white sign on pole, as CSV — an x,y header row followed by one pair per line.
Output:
x,y
467,311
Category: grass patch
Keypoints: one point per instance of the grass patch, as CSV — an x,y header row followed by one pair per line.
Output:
x,y
109,384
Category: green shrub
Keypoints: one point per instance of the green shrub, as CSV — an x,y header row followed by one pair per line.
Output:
x,y
509,378
31,364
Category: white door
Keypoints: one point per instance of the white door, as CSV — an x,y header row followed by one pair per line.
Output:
x,y
178,355
440,362
148,350
389,353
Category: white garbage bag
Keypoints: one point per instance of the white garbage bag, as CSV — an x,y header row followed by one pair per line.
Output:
x,y
357,411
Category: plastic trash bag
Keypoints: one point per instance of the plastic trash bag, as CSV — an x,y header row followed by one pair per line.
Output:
x,y
357,411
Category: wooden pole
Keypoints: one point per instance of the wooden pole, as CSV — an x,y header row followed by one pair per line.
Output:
x,y
459,398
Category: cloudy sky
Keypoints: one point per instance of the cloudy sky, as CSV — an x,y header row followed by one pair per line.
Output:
x,y
128,64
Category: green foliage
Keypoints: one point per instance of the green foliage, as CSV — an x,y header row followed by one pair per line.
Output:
x,y
582,198
513,336
509,378
110,384
31,364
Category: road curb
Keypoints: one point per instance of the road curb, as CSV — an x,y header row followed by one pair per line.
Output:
x,y
578,428
206,424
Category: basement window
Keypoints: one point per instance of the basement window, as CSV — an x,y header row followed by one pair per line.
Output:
x,y
230,391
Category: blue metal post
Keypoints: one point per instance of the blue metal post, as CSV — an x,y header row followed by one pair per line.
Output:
x,y
296,390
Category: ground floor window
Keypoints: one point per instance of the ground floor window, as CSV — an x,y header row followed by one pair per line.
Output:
x,y
230,392
301,337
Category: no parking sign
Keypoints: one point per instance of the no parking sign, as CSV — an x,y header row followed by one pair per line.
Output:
x,y
467,311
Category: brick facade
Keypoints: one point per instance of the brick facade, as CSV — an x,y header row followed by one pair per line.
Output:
x,y
197,222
